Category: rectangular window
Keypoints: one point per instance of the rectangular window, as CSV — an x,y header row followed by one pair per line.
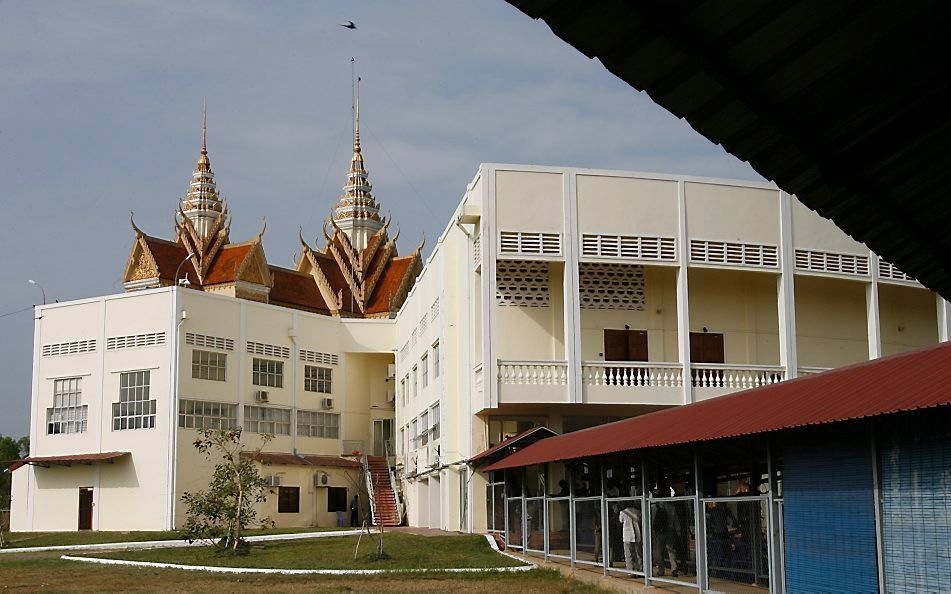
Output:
x,y
424,428
424,363
135,410
268,373
434,414
402,440
436,359
288,500
403,391
413,434
318,424
267,419
68,414
317,379
336,499
415,381
200,414
208,365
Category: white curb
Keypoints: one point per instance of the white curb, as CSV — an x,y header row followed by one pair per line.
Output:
x,y
172,544
213,569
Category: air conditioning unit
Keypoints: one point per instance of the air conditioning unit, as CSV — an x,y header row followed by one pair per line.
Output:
x,y
326,403
261,396
274,480
391,371
390,396
321,479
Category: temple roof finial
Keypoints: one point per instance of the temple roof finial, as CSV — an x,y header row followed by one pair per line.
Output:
x,y
204,127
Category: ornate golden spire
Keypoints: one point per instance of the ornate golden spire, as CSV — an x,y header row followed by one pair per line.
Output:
x,y
202,204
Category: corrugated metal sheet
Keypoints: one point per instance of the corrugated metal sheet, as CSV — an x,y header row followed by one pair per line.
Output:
x,y
842,103
909,381
523,439
68,459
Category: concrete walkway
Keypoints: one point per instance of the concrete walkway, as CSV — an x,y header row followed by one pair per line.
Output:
x,y
595,576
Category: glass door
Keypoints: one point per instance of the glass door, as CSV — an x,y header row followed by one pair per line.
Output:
x,y
382,437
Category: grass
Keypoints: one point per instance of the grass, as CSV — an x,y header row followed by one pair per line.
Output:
x,y
46,571
48,539
406,551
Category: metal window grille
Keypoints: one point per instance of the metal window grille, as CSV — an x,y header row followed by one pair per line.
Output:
x,y
831,262
267,373
209,342
629,247
68,414
268,350
135,410
267,419
68,348
114,343
318,424
734,254
529,243
522,283
612,286
201,414
318,379
318,357
208,365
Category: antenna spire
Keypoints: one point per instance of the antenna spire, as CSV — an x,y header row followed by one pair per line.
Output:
x,y
204,126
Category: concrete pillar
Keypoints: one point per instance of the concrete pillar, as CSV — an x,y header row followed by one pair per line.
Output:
x,y
788,355
872,310
683,300
572,323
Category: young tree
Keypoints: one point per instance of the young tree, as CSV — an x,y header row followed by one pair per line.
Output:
x,y
10,451
224,510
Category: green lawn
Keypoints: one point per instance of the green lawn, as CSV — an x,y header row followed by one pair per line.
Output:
x,y
407,551
47,539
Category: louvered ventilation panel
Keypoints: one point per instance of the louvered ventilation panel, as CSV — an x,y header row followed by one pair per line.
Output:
x,y
209,342
734,254
434,310
318,357
888,270
629,246
268,350
831,262
522,284
521,243
477,250
611,286
68,348
114,343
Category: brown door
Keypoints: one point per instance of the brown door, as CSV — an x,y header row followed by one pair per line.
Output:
x,y
85,508
625,345
706,347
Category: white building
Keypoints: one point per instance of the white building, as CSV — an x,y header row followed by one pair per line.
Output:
x,y
556,297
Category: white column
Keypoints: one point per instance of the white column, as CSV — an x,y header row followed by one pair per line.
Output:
x,y
571,289
490,366
683,300
872,310
788,356
944,319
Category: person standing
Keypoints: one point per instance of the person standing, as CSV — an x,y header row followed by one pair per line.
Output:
x,y
630,518
355,511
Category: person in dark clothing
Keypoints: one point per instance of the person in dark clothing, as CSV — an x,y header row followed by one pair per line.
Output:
x,y
721,525
355,511
562,488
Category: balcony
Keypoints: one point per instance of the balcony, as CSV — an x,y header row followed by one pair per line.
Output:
x,y
715,379
632,382
533,381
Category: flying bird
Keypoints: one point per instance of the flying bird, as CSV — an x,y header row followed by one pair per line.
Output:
x,y
348,25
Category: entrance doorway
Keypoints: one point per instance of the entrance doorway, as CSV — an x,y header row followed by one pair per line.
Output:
x,y
625,345
383,437
85,508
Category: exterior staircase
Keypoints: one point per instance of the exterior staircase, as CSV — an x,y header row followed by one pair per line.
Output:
x,y
385,506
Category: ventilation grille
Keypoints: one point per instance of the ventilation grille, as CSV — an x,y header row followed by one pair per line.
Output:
x,y
734,254
404,351
888,270
209,342
69,348
413,336
832,262
423,325
434,310
317,357
532,244
633,247
114,343
522,283
477,250
268,350
611,286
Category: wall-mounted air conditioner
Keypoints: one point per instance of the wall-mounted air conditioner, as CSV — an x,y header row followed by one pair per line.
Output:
x,y
261,396
326,403
321,479
391,371
274,480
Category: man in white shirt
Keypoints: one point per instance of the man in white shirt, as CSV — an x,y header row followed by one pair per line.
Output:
x,y
630,518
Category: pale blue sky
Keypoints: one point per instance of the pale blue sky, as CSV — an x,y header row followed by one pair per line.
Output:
x,y
100,114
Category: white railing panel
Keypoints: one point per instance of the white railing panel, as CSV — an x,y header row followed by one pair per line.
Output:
x,y
735,377
632,374
533,373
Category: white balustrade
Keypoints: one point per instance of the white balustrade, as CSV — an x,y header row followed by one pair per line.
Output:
x,y
632,374
803,371
533,373
736,377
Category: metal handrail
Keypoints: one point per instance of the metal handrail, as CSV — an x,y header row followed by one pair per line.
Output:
x,y
368,476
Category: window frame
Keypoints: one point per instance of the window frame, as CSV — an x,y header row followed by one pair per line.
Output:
x,y
219,366
253,425
68,415
311,423
316,383
424,363
282,501
435,348
275,375
188,408
134,409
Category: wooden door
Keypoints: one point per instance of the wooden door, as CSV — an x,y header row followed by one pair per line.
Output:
x,y
625,345
706,347
85,508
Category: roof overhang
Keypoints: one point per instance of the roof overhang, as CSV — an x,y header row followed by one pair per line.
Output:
x,y
842,104
68,459
508,446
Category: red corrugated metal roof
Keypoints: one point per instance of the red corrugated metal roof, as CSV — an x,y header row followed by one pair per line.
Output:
x,y
909,381
67,458
523,439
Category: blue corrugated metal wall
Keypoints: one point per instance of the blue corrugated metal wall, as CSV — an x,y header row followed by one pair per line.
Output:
x,y
916,508
829,515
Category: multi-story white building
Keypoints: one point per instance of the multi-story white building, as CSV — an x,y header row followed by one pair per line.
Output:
x,y
555,297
